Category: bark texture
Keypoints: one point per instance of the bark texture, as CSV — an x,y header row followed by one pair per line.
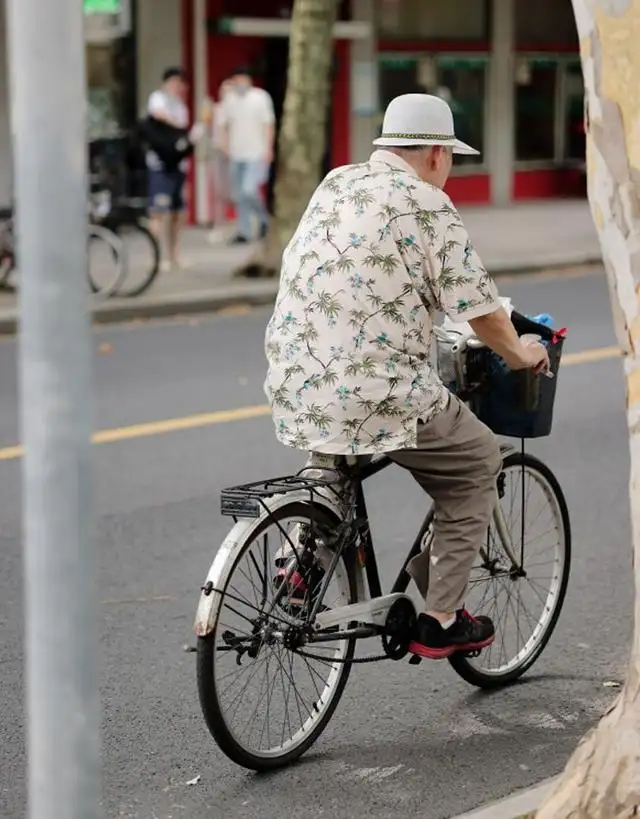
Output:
x,y
302,138
602,779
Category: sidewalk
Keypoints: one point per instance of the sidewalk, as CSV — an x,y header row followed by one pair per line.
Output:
x,y
525,237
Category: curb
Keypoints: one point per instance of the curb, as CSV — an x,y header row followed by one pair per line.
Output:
x,y
202,301
518,806
259,292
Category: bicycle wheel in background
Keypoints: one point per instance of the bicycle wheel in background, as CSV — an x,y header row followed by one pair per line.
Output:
x,y
142,258
7,255
106,264
524,595
265,702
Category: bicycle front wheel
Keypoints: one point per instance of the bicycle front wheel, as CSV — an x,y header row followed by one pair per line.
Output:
x,y
264,699
142,255
106,262
521,587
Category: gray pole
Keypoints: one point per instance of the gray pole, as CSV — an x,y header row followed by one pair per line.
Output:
x,y
47,93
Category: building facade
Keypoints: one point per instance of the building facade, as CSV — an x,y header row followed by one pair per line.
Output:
x,y
509,68
126,50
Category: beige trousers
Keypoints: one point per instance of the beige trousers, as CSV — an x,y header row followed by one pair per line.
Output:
x,y
456,462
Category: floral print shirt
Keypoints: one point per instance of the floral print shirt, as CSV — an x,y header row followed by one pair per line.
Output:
x,y
376,254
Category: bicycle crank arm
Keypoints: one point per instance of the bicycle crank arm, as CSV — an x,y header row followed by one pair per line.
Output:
x,y
371,612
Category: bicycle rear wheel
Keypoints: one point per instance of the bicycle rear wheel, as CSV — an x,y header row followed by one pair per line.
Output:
x,y
523,593
142,258
106,268
265,701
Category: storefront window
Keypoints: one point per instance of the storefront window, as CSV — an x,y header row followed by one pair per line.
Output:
x,y
549,23
110,53
536,80
433,20
461,81
270,9
574,136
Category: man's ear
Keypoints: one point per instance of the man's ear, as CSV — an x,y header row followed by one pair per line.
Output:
x,y
434,156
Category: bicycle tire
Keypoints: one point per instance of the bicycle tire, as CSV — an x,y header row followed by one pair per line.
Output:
x,y
97,233
154,266
206,657
465,666
7,256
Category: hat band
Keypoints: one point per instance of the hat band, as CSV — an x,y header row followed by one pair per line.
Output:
x,y
443,137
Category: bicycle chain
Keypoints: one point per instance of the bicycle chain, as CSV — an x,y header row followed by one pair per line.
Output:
x,y
353,661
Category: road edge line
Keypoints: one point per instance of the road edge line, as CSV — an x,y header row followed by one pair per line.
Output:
x,y
517,805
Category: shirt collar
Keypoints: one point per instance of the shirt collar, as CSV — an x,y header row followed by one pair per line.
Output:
x,y
389,158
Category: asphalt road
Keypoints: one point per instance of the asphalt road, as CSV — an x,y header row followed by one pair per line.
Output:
x,y
405,741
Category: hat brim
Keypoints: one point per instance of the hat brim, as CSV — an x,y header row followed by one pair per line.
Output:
x,y
459,147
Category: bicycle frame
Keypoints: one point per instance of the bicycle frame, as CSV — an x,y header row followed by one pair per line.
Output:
x,y
371,605
358,474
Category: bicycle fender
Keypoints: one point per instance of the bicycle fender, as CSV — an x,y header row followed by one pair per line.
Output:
x,y
210,599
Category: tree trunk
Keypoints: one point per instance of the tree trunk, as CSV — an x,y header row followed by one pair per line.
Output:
x,y
602,779
302,139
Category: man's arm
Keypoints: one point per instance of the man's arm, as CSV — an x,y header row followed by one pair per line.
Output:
x,y
498,333
467,293
270,137
270,129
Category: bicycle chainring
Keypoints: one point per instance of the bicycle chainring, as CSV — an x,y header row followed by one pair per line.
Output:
x,y
398,629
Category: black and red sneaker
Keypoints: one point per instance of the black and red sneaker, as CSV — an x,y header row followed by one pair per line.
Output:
x,y
466,634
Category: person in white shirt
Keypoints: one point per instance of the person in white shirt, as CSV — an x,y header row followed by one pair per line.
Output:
x,y
248,135
166,184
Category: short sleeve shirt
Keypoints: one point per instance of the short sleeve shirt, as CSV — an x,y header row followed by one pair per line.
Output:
x,y
376,255
162,103
248,116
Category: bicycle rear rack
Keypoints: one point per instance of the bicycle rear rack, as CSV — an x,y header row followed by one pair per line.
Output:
x,y
249,500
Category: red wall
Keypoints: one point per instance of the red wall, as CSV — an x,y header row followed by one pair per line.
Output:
x,y
469,190
548,184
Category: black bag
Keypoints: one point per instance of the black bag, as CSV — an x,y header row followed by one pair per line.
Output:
x,y
516,404
172,145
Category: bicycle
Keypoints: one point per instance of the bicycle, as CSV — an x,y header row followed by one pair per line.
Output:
x,y
290,616
110,269
141,257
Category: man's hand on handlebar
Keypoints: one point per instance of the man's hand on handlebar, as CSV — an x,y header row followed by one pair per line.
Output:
x,y
497,332
535,357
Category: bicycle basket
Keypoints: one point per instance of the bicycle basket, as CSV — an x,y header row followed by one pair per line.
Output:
x,y
515,404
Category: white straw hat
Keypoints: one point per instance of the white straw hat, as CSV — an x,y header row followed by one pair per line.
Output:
x,y
420,119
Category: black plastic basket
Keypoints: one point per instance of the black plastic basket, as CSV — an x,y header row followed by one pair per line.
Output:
x,y
516,404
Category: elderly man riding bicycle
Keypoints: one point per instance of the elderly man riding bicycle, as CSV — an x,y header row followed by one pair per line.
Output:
x,y
379,251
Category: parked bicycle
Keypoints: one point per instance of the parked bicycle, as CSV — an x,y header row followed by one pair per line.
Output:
x,y
295,585
106,269
125,217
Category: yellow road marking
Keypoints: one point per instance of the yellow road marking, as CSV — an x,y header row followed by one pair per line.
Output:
x,y
589,356
208,419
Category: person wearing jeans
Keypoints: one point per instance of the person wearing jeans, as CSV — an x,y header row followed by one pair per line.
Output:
x,y
248,123
247,178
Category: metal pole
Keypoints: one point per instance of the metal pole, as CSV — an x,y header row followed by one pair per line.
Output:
x,y
200,69
47,95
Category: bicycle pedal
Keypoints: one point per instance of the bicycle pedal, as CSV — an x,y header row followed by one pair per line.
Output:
x,y
415,660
